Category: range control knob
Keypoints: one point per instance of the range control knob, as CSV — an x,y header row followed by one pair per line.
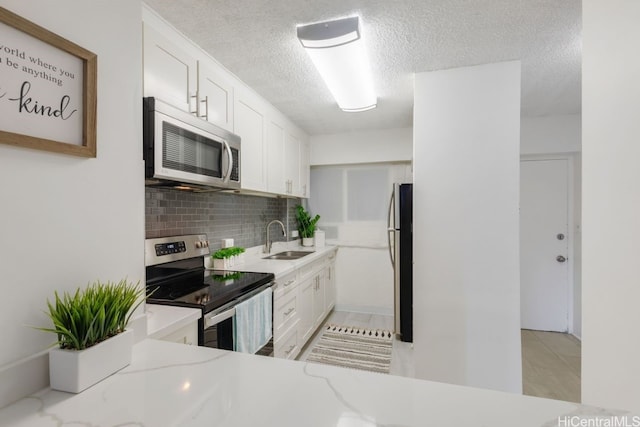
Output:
x,y
198,245
206,243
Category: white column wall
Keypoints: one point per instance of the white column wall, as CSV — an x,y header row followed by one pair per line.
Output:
x,y
67,221
611,204
466,226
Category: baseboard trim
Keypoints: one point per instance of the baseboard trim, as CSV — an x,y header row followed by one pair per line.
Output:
x,y
384,311
25,377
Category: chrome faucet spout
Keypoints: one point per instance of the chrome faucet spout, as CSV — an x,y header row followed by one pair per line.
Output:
x,y
267,245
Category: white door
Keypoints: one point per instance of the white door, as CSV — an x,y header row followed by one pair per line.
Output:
x,y
544,272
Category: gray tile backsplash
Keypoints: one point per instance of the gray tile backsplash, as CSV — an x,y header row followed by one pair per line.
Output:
x,y
219,215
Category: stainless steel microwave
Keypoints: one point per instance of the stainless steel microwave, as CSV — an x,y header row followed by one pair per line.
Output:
x,y
185,152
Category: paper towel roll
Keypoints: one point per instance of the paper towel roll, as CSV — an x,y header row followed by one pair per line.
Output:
x,y
319,239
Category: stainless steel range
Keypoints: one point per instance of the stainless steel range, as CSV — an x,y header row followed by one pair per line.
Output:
x,y
176,276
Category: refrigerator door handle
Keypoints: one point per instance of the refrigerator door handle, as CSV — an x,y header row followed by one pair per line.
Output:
x,y
391,229
396,287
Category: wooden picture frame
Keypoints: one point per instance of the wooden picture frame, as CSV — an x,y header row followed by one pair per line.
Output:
x,y
48,89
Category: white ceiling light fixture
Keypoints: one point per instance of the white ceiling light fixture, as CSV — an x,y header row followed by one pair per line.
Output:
x,y
338,52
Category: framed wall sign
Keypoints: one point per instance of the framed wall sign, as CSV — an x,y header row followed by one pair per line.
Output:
x,y
47,89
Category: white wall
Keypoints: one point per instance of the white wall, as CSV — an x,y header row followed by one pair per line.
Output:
x,y
353,201
466,226
67,221
550,134
371,146
561,137
611,204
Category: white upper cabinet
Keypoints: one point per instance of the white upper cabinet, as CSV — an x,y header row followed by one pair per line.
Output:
x,y
305,169
274,154
170,73
276,181
292,162
250,123
215,96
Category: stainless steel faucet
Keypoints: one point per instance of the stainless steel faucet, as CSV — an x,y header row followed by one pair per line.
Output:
x,y
267,246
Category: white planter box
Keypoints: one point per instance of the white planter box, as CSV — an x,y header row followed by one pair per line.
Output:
x,y
228,263
74,371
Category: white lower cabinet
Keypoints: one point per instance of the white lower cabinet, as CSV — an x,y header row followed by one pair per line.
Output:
x,y
330,282
186,335
319,308
288,347
302,300
306,290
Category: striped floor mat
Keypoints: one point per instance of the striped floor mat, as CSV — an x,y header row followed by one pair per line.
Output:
x,y
357,348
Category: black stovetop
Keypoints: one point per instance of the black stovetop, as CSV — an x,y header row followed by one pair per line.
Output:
x,y
200,288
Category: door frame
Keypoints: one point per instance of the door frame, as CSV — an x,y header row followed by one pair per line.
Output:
x,y
571,225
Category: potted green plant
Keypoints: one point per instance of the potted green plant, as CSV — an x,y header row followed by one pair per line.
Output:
x,y
306,225
92,340
225,258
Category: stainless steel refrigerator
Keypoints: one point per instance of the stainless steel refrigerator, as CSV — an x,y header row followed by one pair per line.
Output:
x,y
400,234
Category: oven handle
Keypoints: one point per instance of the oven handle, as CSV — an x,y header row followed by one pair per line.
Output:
x,y
229,309
217,318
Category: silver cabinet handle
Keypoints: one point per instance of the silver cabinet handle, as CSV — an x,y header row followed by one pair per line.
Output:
x,y
206,107
290,349
288,312
195,113
289,282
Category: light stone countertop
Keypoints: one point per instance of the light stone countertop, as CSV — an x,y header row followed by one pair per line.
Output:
x,y
163,320
254,258
171,384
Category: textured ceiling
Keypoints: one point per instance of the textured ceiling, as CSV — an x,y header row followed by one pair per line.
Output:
x,y
256,40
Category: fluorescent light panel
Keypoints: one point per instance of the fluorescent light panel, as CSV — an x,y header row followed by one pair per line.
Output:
x,y
338,52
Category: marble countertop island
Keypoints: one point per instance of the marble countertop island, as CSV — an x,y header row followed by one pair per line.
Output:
x,y
171,384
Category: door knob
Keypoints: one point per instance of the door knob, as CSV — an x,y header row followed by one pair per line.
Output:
x,y
560,258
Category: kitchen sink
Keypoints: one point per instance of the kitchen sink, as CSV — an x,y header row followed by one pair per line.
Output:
x,y
289,255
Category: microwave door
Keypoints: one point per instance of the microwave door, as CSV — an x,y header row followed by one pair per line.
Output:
x,y
184,153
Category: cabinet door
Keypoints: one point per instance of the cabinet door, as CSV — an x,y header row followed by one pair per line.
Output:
x,y
319,309
330,284
215,95
276,182
250,124
307,290
170,73
303,190
185,335
292,162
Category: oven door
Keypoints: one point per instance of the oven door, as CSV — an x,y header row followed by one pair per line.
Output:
x,y
218,330
217,327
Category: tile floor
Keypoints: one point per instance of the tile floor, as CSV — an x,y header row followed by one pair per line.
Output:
x,y
550,360
551,365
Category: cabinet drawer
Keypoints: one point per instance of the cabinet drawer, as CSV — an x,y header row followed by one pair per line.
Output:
x,y
285,314
287,347
284,285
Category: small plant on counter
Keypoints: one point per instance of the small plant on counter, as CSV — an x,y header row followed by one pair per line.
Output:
x,y
225,258
306,224
227,252
90,316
